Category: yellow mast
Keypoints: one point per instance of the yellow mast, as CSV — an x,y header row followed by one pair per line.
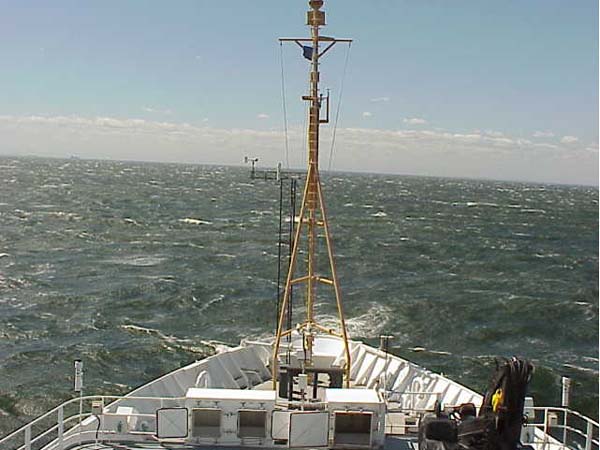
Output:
x,y
312,212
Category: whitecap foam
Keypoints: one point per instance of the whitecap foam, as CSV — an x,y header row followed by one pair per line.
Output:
x,y
193,221
477,204
370,324
581,369
534,211
139,261
379,214
168,340
209,303
547,255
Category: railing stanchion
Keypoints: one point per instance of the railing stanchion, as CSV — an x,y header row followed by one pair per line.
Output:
x,y
589,435
545,428
565,427
80,414
28,438
61,426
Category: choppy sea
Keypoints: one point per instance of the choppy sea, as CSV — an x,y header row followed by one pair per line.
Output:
x,y
139,268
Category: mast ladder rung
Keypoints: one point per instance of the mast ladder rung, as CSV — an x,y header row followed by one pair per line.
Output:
x,y
325,280
314,277
300,280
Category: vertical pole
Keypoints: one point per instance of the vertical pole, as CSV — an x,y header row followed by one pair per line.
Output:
x,y
313,161
80,413
566,394
279,234
78,382
293,186
545,428
565,413
566,391
28,437
61,426
589,436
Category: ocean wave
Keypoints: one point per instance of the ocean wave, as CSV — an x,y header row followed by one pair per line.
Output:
x,y
547,255
581,369
193,221
170,341
213,301
138,261
419,349
476,204
379,214
370,324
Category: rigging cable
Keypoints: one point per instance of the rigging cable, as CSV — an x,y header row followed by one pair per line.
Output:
x,y
305,122
337,113
285,123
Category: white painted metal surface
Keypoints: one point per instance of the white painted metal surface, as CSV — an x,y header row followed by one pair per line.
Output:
x,y
171,423
362,396
309,429
280,425
231,394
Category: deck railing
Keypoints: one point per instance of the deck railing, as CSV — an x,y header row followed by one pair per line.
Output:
x,y
73,422
563,428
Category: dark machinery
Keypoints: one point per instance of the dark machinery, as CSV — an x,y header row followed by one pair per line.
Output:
x,y
500,419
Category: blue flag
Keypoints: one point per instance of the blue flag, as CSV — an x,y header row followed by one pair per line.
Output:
x,y
307,52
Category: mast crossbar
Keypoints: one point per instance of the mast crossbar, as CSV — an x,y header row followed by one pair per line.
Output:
x,y
321,39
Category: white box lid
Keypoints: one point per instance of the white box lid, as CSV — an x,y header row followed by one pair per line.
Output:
x,y
230,394
352,396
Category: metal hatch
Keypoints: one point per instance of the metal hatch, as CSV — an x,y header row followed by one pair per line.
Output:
x,y
308,429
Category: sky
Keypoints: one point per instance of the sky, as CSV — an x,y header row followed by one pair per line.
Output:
x,y
480,89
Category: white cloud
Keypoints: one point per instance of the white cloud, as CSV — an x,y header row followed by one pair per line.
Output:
x,y
543,134
569,140
262,116
417,151
367,114
149,109
414,121
380,100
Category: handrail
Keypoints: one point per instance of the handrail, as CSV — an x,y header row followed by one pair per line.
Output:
x,y
61,421
583,437
591,427
565,410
